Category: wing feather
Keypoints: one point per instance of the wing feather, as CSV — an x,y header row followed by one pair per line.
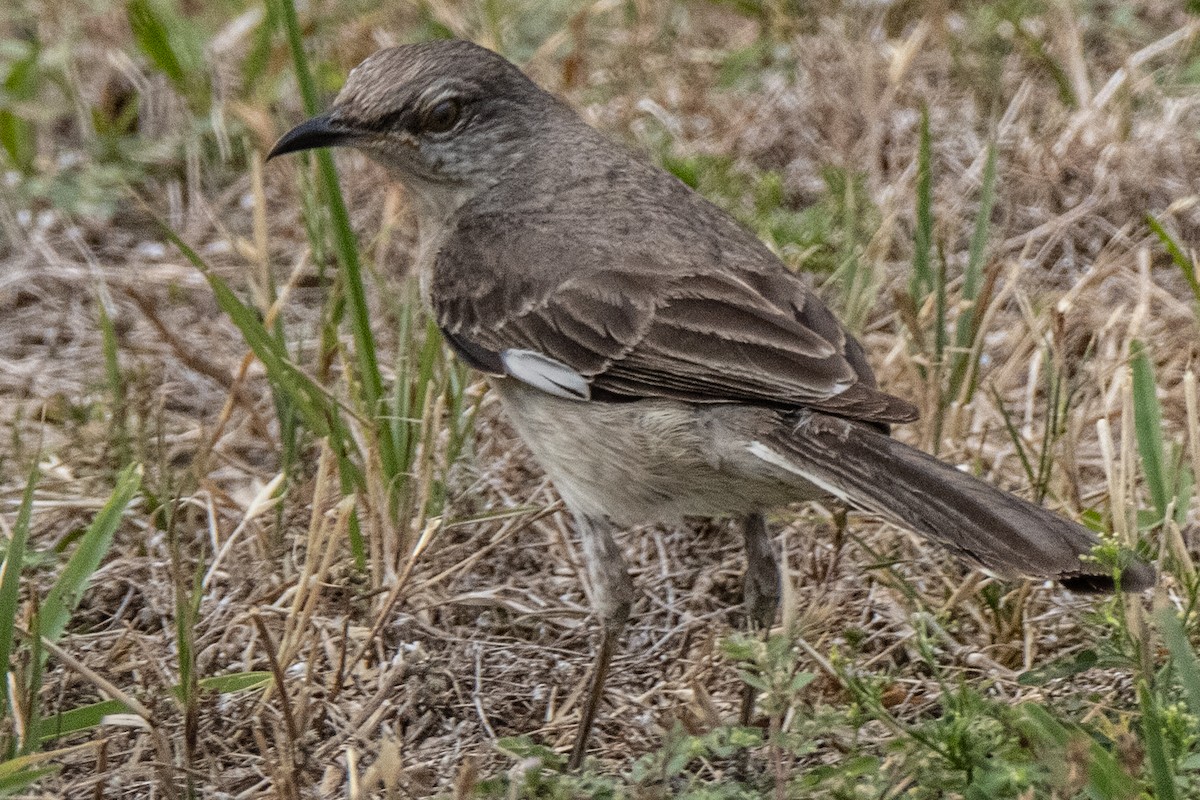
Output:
x,y
719,333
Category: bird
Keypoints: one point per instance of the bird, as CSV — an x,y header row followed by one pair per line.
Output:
x,y
657,358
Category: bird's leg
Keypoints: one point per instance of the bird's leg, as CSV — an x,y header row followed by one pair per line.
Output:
x,y
760,589
612,596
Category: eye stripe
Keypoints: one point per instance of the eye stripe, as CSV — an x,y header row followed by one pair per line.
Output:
x,y
390,120
417,121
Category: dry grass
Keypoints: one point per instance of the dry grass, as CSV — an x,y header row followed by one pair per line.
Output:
x,y
489,634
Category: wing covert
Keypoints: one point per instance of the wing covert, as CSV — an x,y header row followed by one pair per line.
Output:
x,y
721,334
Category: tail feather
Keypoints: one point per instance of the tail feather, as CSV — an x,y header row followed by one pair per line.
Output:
x,y
971,518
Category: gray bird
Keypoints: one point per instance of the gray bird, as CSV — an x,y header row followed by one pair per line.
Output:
x,y
657,358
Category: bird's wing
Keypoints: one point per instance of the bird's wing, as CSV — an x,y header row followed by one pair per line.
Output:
x,y
626,330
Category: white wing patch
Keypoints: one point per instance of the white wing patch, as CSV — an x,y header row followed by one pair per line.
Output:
x,y
761,451
545,373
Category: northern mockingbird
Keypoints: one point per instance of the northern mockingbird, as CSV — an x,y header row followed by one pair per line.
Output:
x,y
657,358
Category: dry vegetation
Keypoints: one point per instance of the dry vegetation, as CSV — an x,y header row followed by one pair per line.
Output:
x,y
464,620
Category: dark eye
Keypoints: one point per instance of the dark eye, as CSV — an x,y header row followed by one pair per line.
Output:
x,y
442,116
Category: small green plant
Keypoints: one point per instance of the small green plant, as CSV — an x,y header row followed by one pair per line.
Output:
x,y
967,745
174,44
18,132
31,625
23,729
1187,266
949,347
994,33
539,774
1169,481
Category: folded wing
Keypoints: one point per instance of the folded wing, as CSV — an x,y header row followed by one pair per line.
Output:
x,y
717,333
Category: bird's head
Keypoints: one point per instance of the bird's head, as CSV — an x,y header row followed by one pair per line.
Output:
x,y
445,118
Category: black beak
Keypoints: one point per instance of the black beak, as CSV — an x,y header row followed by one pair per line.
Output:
x,y
320,131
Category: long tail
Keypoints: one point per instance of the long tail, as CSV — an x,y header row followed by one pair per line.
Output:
x,y
873,472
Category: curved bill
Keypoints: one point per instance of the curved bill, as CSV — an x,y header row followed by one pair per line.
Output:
x,y
320,131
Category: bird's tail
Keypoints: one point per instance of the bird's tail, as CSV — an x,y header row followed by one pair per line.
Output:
x,y
873,472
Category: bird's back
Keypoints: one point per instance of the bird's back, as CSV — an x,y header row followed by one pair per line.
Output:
x,y
593,225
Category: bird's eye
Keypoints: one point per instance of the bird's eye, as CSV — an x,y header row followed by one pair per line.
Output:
x,y
442,116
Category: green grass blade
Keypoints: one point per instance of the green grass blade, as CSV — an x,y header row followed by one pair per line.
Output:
x,y
18,134
116,383
309,398
187,613
90,716
1147,417
973,274
33,680
1014,435
1181,260
940,339
175,47
1161,773
320,411
346,250
922,279
10,580
17,773
1056,741
286,10
1183,657
14,778
67,591
150,32
403,392
235,682
966,329
75,720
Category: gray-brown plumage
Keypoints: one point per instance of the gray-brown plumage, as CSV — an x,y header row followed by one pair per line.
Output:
x,y
657,358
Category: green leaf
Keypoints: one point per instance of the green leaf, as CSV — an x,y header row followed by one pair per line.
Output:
x,y
18,133
110,349
524,747
92,715
801,679
754,680
1183,657
173,45
151,33
966,329
1147,417
68,590
1056,742
15,779
1184,263
10,579
78,719
740,647
236,682
922,281
17,773
1156,745
1061,668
